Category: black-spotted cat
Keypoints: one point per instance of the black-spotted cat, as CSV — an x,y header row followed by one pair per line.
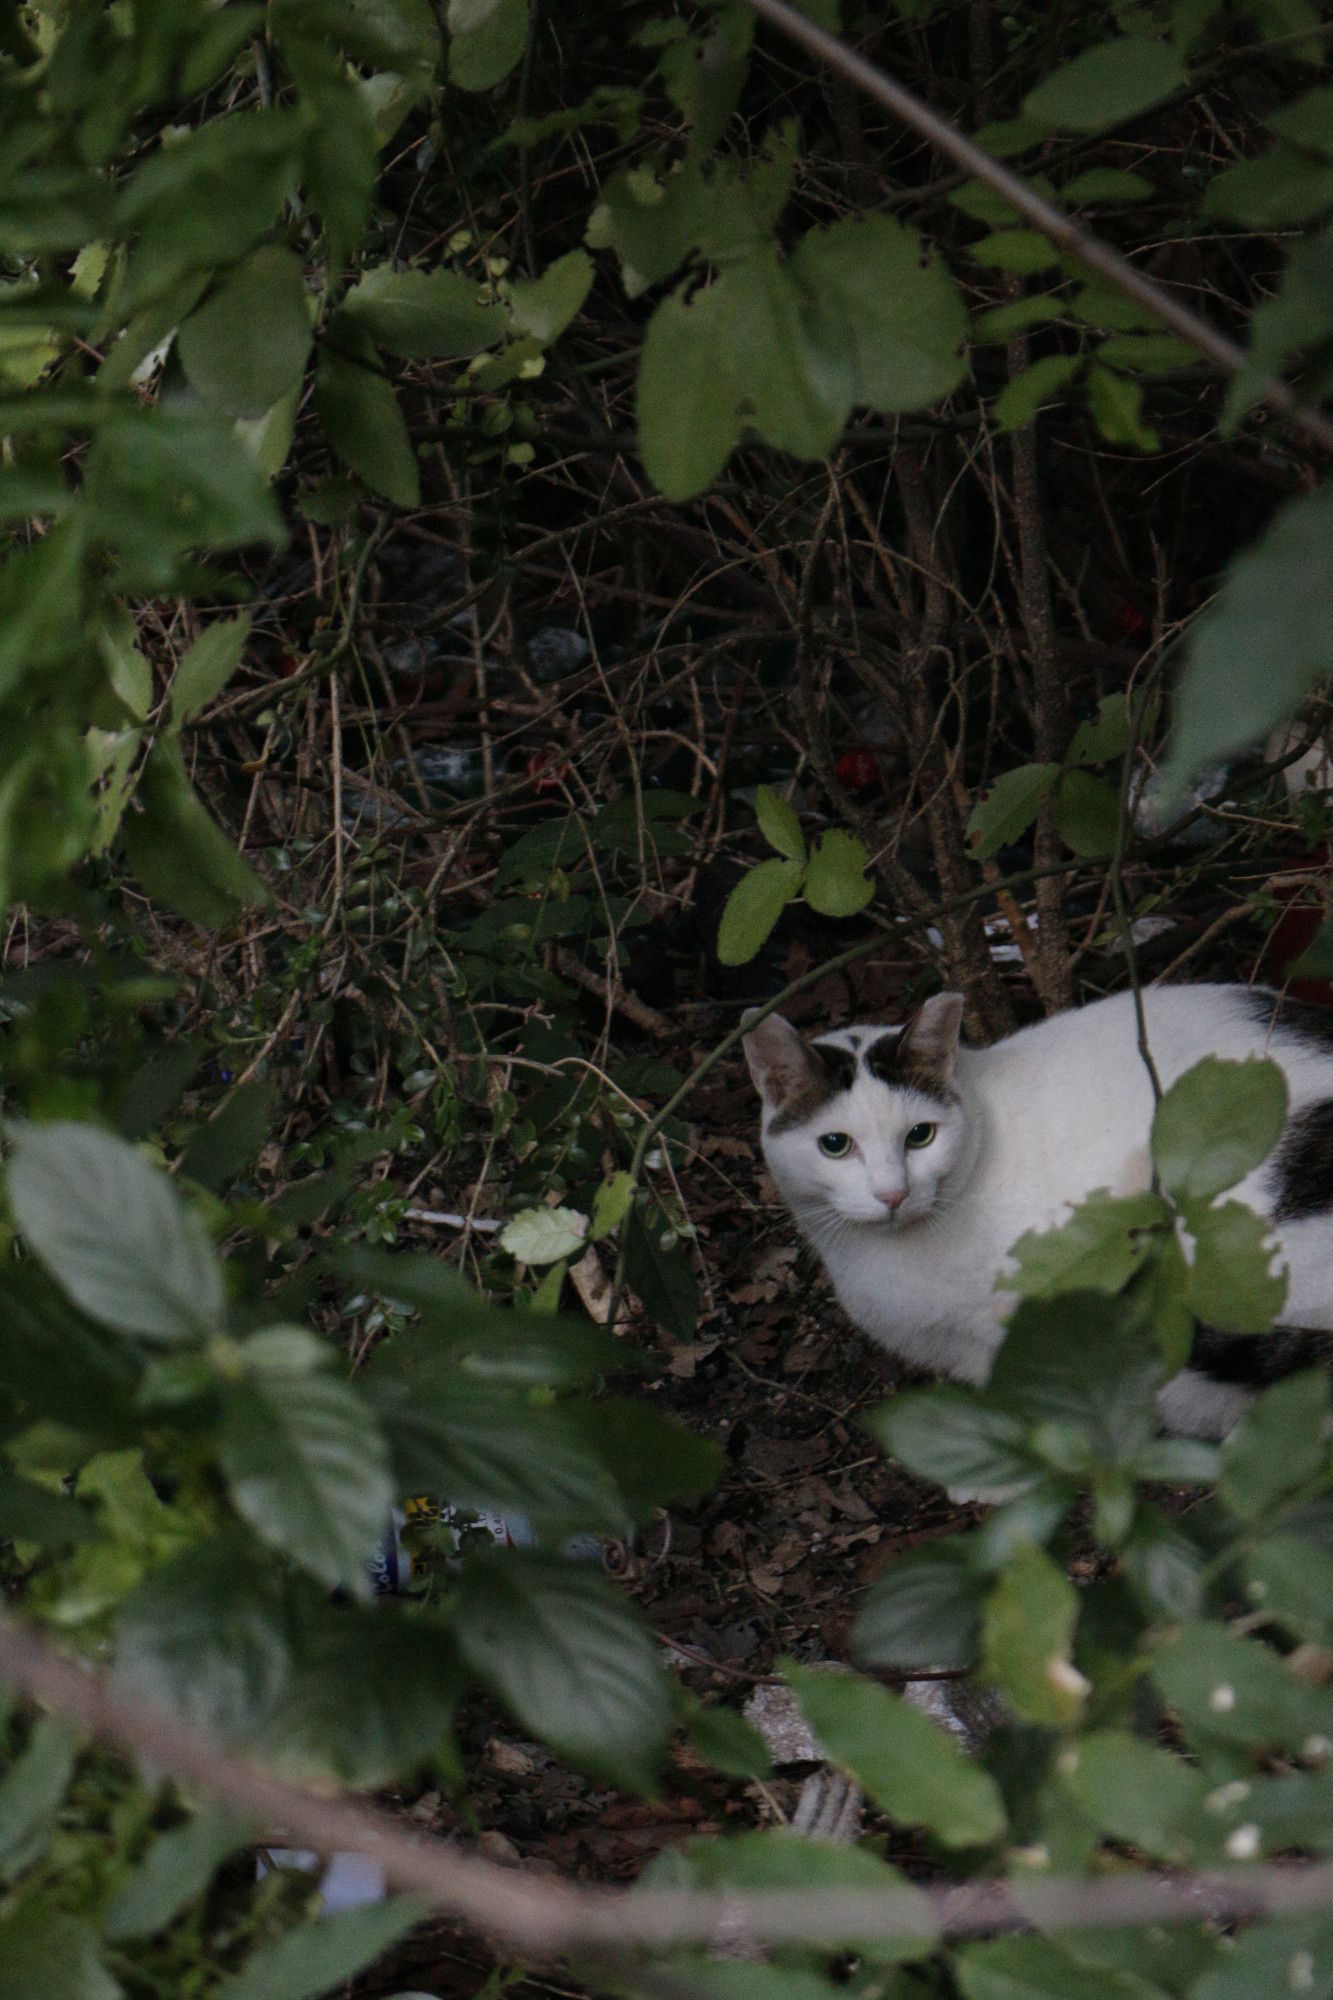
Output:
x,y
913,1164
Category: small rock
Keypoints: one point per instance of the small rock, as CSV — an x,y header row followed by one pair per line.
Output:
x,y
509,1759
493,1845
556,650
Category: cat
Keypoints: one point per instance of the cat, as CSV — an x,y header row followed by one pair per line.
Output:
x,y
913,1163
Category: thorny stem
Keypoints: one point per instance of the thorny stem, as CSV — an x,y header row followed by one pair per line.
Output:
x,y
1061,229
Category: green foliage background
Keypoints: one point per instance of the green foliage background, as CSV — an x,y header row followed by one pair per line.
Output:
x,y
218,336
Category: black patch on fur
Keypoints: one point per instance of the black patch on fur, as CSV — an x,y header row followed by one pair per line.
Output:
x,y
893,1063
1302,1167
1255,1361
839,1065
1270,1010
833,1070
853,1041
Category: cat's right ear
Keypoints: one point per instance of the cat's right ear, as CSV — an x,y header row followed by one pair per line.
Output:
x,y
779,1060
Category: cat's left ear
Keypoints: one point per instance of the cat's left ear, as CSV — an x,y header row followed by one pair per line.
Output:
x,y
930,1040
779,1060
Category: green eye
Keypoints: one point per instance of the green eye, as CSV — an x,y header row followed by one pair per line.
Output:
x,y
836,1144
921,1135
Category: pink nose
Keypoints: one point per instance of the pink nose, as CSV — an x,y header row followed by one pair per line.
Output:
x,y
891,1197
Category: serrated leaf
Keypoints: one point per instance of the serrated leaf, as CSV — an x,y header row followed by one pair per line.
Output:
x,y
486,41
1262,646
545,306
1008,808
913,1770
1216,1124
1087,814
688,400
1232,1285
1277,1447
836,883
113,1233
207,667
954,1437
1115,80
1100,1247
754,906
245,347
361,416
570,1659
324,1953
306,1466
897,310
779,824
424,315
924,1611
544,1235
1027,1635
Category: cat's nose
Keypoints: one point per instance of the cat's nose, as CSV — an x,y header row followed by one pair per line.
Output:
x,y
891,1197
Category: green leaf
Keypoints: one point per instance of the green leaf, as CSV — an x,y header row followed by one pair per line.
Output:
x,y
1135,1792
177,1867
1036,1968
1105,184
1299,315
1216,1124
544,1235
232,1139
1307,121
1008,809
924,1611
1263,645
425,315
954,1437
1265,1953
1024,251
1277,1447
836,883
179,853
896,309
113,1233
1106,84
1152,353
610,1205
327,1952
1281,188
727,1741
407,1683
45,1952
779,824
1001,323
1027,1635
1099,1249
1289,1582
661,1273
160,482
1232,1285
1081,1360
31,1792
306,1464
654,1460
207,667
688,398
360,415
913,1770
1104,736
1115,402
29,1513
568,1656
545,306
1229,1690
245,347
486,41
1087,814
754,906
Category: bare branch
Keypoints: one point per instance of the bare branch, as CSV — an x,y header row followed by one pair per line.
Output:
x,y
538,1918
1061,229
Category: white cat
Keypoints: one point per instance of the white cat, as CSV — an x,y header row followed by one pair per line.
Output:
x,y
913,1164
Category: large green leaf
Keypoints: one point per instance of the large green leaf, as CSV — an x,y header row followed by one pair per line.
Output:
x,y
179,853
317,1957
914,1771
361,416
545,306
45,1954
1277,1447
1235,1691
1290,1583
955,1437
1115,80
208,666
568,1655
424,315
1262,645
1232,1285
1099,1248
924,1611
660,1271
1027,1633
1217,1123
688,398
897,312
1272,1951
1136,1792
372,1696
486,41
306,1463
1080,1360
754,906
1036,1968
113,1233
30,1794
177,1867
160,482
245,347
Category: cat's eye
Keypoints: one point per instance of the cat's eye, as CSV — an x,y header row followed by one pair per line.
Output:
x,y
921,1135
836,1145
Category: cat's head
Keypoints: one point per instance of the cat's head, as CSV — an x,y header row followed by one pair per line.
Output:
x,y
864,1123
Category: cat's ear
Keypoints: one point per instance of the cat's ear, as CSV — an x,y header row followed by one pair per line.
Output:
x,y
780,1062
929,1042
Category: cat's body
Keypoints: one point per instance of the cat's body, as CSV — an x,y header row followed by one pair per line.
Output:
x,y
955,1153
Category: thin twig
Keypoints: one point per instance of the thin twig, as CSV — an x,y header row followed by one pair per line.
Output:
x,y
1062,230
